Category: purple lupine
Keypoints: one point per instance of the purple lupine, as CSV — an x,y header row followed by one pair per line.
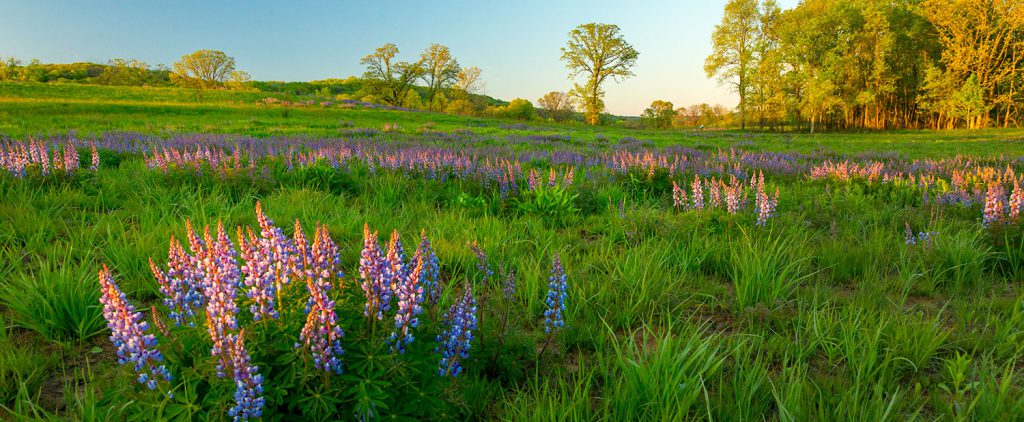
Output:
x,y
456,340
302,258
395,268
258,275
995,204
219,285
1016,201
431,270
698,193
410,301
481,261
908,236
248,381
322,335
128,334
270,263
554,315
509,287
279,246
371,270
678,196
183,294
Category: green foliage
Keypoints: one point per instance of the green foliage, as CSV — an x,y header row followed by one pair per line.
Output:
x,y
765,270
651,376
58,300
553,204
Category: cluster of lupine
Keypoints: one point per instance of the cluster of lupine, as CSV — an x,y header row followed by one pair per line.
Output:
x,y
554,315
847,170
50,158
271,261
182,292
923,239
321,335
455,342
388,276
713,193
764,205
128,333
999,208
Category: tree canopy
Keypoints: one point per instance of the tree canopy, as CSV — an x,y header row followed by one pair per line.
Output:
x,y
598,52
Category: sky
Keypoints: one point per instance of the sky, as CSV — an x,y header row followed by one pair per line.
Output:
x,y
516,43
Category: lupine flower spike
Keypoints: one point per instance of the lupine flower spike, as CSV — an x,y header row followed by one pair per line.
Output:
x,y
248,381
128,333
554,318
321,335
455,341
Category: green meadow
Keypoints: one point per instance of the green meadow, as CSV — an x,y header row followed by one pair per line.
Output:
x,y
823,313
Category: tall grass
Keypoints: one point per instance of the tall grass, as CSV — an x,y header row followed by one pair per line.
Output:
x,y
766,270
58,300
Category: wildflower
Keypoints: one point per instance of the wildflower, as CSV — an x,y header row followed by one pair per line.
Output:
x,y
678,196
128,334
509,287
321,335
554,318
994,204
95,163
481,260
455,341
219,286
1016,201
371,270
248,381
908,236
179,285
431,269
533,181
394,264
410,300
698,193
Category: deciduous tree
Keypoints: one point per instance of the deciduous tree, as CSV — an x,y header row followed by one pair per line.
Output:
x,y
598,51
557,105
388,80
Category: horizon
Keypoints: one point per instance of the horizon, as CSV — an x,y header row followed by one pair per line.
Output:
x,y
302,46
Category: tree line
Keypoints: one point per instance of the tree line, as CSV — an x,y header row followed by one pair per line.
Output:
x,y
873,64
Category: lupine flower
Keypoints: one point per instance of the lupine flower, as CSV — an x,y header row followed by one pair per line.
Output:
x,y
371,270
219,286
481,260
431,270
533,181
410,300
259,276
321,334
455,341
509,287
248,381
302,257
270,263
128,334
552,177
995,204
182,291
698,193
1016,201
678,196
395,268
554,318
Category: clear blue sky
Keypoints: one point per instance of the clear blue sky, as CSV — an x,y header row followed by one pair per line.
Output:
x,y
515,43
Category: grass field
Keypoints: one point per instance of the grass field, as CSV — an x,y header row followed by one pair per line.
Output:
x,y
878,287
